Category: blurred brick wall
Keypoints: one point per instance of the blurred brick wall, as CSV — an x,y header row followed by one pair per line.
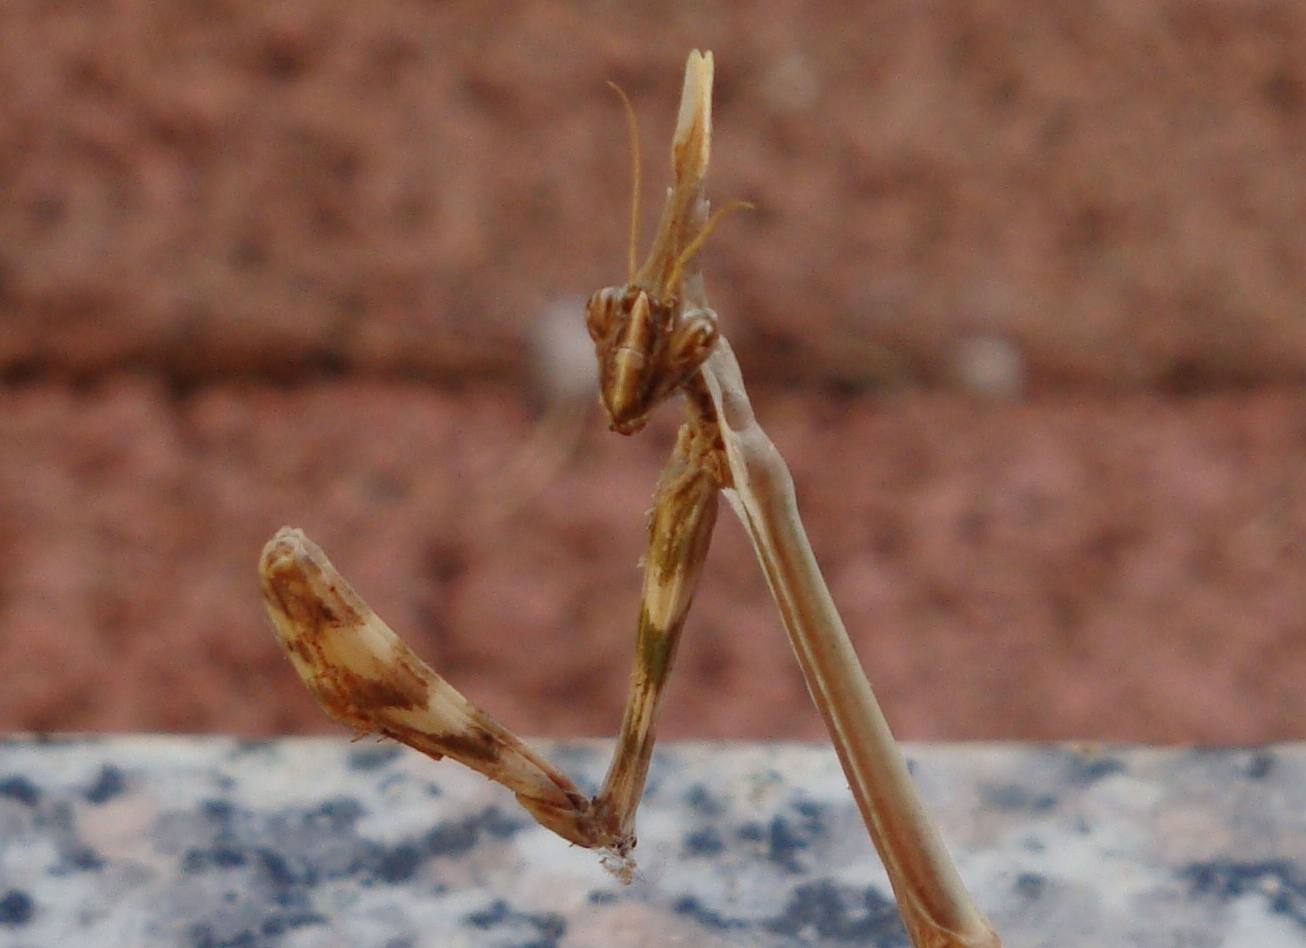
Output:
x,y
215,187
314,264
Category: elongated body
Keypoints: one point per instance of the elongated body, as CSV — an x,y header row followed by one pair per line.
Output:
x,y
653,336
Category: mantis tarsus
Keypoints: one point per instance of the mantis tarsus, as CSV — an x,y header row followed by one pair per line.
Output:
x,y
653,336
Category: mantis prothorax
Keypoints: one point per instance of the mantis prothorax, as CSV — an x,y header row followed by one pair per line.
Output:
x,y
653,336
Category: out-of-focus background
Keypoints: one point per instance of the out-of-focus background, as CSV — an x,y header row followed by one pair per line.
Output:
x,y
1023,302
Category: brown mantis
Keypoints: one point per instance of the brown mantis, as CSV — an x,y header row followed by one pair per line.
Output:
x,y
654,336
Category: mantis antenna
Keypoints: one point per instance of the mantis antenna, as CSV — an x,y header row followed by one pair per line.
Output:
x,y
632,130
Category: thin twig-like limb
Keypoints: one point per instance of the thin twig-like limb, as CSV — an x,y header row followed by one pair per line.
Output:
x,y
364,676
680,529
934,904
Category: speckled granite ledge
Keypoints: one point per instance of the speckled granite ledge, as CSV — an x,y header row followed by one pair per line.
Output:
x,y
134,841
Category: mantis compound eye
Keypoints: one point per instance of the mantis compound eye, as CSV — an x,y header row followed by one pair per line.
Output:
x,y
601,312
693,340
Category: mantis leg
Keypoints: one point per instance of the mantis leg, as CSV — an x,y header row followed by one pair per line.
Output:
x,y
680,530
366,677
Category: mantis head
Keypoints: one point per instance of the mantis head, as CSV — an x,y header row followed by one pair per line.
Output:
x,y
647,341
646,349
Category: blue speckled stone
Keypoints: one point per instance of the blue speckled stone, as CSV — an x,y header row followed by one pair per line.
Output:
x,y
134,841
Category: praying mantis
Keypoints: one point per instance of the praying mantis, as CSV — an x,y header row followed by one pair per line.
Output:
x,y
654,336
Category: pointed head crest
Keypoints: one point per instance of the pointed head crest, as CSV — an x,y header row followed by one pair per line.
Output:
x,y
647,343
